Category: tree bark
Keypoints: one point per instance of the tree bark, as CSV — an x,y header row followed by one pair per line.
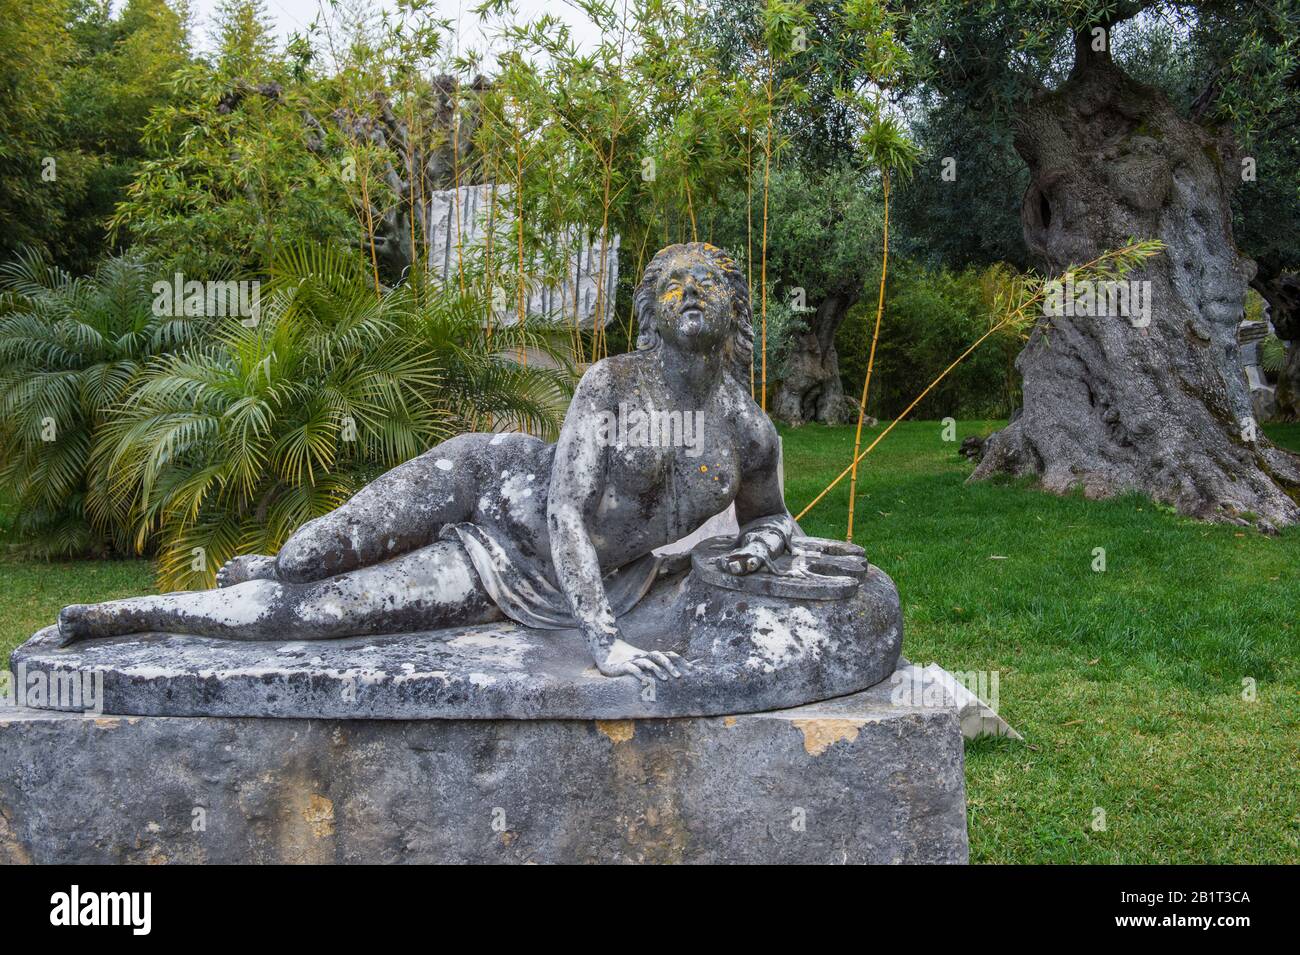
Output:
x,y
810,388
1111,407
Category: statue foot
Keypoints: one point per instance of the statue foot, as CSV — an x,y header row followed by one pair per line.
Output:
x,y
247,567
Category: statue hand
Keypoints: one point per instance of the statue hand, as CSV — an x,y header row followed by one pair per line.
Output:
x,y
623,659
747,559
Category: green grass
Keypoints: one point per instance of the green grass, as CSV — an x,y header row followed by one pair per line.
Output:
x,y
1127,684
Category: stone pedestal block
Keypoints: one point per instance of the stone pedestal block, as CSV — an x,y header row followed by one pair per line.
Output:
x,y
854,779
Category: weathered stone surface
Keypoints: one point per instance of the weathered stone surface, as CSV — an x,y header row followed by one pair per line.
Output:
x,y
915,684
750,651
857,779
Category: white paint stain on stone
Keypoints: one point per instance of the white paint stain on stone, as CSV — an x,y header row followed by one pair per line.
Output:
x,y
502,649
516,492
779,638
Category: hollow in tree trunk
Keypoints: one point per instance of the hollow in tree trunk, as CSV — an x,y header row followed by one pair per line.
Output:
x,y
1111,406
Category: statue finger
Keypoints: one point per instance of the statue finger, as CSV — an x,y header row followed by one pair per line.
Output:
x,y
649,666
663,661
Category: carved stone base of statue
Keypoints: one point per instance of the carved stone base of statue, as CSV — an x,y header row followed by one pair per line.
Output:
x,y
853,780
820,623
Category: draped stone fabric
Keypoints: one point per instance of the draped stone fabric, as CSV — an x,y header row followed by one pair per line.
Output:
x,y
526,595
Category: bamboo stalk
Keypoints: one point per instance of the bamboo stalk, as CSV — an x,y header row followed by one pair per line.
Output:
x,y
871,357
690,210
749,231
767,179
906,411
489,265
519,217
370,226
455,182
411,183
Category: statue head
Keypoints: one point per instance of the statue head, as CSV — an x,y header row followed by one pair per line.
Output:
x,y
693,297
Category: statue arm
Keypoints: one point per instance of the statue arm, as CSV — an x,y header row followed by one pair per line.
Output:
x,y
765,523
577,485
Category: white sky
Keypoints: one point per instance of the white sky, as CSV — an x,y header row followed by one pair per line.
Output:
x,y
297,15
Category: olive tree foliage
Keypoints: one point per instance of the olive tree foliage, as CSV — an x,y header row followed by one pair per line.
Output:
x,y
962,206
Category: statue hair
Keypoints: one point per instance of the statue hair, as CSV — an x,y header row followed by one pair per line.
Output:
x,y
740,346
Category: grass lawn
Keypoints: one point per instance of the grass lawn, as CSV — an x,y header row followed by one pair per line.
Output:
x,y
1127,684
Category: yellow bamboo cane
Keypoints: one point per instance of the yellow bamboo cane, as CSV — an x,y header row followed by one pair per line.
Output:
x,y
906,411
871,357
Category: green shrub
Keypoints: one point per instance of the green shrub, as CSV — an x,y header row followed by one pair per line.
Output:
x,y
199,438
70,349
931,316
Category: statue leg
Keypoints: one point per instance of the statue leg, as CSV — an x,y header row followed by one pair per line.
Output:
x,y
430,588
399,511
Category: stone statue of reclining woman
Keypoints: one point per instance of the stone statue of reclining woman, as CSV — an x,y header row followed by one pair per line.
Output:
x,y
554,536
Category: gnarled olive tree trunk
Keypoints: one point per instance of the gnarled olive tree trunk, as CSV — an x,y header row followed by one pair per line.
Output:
x,y
810,388
1109,407
1288,385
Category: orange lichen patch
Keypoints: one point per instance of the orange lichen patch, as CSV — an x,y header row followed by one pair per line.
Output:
x,y
819,735
618,731
319,815
12,851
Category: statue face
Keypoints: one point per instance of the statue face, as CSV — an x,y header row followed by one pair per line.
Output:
x,y
693,304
